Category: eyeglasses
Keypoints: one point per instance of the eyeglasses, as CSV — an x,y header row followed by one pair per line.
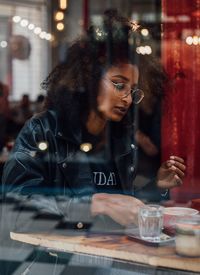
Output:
x,y
124,89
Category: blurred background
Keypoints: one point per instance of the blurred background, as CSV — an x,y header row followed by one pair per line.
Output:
x,y
35,35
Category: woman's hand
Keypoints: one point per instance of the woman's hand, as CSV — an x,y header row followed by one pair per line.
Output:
x,y
121,208
171,173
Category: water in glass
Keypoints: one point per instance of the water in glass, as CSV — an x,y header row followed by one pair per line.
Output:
x,y
150,222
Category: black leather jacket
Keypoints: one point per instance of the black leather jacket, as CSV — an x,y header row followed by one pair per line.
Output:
x,y
61,170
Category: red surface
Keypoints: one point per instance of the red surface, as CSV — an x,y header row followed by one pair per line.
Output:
x,y
195,203
181,107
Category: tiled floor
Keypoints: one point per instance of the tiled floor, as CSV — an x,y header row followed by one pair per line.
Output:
x,y
22,259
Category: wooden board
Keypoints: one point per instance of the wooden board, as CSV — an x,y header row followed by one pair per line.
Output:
x,y
118,247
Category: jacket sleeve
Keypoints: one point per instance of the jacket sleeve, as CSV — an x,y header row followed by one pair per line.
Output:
x,y
27,175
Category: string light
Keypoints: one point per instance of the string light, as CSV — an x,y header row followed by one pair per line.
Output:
x,y
192,40
16,19
189,40
86,147
60,26
59,16
3,44
148,49
144,50
63,4
31,26
195,40
42,35
24,23
144,32
36,30
134,25
49,36
42,145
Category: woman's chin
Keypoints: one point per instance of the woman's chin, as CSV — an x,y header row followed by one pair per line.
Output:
x,y
116,118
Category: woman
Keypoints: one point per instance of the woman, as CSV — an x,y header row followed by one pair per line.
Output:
x,y
80,152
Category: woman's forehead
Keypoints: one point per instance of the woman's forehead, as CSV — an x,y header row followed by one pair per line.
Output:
x,y
127,70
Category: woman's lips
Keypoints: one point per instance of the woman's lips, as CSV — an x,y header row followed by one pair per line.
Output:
x,y
120,110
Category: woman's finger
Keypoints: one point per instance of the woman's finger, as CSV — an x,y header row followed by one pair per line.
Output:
x,y
177,171
178,165
177,159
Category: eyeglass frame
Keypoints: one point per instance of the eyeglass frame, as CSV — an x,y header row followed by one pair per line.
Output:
x,y
131,91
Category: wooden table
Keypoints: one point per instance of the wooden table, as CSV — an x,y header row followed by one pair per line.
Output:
x,y
117,247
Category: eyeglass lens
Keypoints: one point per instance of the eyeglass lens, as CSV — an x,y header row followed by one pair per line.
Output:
x,y
137,96
123,90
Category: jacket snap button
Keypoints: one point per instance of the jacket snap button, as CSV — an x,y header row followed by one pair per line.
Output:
x,y
60,134
132,169
79,225
132,146
64,165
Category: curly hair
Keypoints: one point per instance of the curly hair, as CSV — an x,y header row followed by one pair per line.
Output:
x,y
73,85
152,80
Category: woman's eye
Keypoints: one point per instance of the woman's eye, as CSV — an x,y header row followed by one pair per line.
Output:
x,y
119,86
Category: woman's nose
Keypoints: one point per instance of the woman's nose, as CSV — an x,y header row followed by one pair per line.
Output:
x,y
127,99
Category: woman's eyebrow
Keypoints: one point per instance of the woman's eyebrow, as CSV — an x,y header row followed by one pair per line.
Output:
x,y
121,76
125,79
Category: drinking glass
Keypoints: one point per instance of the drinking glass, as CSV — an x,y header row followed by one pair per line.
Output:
x,y
150,219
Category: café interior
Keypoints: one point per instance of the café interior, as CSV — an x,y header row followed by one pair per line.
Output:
x,y
34,37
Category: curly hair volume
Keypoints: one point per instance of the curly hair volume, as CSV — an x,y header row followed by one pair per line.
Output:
x,y
72,87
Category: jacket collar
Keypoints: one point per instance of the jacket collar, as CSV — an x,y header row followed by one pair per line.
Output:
x,y
65,129
72,132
